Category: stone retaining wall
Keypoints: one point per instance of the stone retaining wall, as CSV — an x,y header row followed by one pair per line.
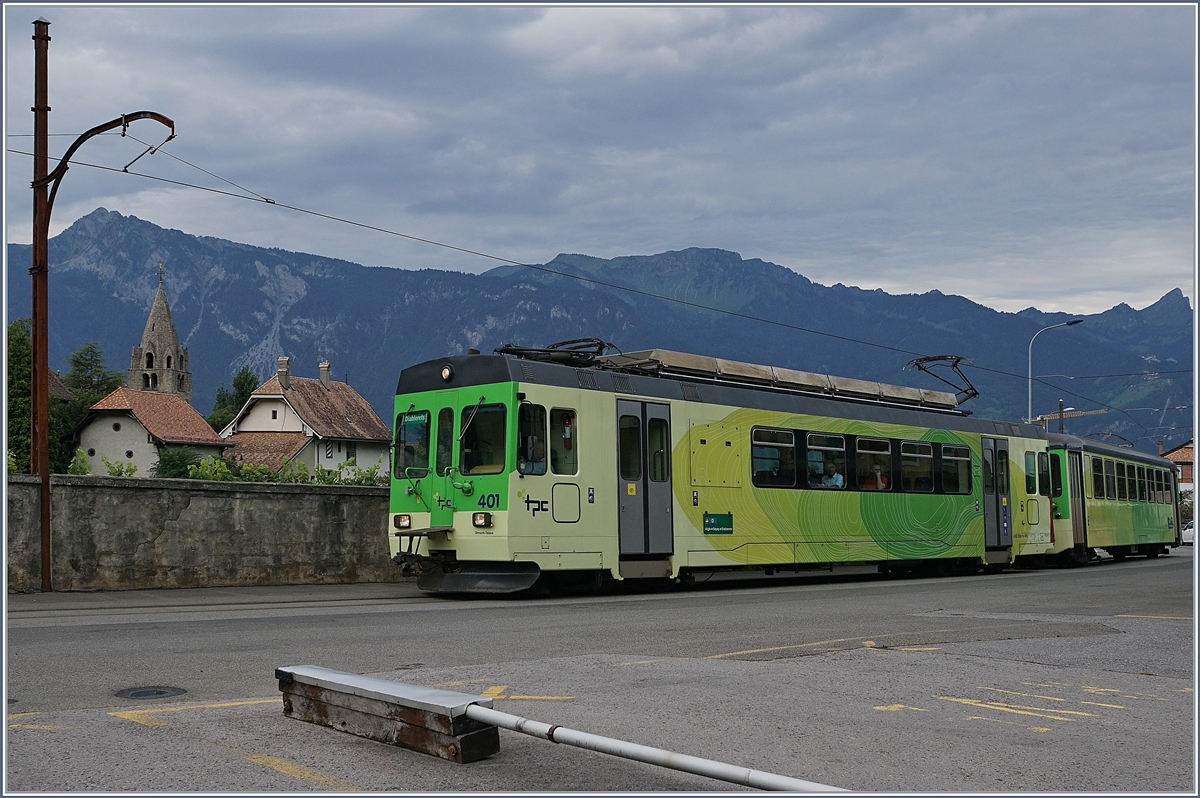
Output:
x,y
125,533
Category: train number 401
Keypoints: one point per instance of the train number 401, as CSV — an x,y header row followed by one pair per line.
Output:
x,y
489,501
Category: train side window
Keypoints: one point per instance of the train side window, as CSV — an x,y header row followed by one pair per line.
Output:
x,y
1031,473
531,439
916,467
412,445
1122,495
828,468
445,441
483,439
1158,486
564,457
659,445
1097,478
1141,483
1002,486
629,447
773,458
873,465
1055,475
989,472
1110,479
1043,474
956,469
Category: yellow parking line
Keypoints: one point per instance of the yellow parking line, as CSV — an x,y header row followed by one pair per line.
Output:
x,y
1027,695
140,715
1002,708
1098,704
296,770
42,726
865,642
541,697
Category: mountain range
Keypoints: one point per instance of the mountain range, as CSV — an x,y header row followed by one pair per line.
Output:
x,y
235,304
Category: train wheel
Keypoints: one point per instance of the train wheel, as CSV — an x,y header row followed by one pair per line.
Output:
x,y
1118,553
1152,552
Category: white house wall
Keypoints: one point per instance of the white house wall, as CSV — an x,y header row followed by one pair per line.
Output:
x,y
331,454
258,417
99,439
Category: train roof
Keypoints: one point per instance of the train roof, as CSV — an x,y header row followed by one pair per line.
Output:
x,y
652,383
1107,449
666,363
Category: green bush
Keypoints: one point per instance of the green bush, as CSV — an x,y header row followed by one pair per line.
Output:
x,y
117,468
79,463
175,462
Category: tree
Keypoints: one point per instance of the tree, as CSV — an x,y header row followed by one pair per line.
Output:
x,y
20,386
90,380
228,403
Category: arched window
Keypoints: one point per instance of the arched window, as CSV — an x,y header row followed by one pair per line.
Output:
x,y
179,383
154,382
168,361
149,360
145,382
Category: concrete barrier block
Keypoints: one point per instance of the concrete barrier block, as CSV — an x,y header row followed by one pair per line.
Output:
x,y
422,719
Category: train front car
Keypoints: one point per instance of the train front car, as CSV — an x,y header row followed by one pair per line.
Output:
x,y
488,488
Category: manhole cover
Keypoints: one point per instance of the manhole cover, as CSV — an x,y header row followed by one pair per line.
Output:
x,y
150,692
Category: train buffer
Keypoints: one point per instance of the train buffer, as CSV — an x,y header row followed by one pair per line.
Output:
x,y
464,728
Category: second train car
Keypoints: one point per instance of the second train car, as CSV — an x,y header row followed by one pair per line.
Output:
x,y
663,465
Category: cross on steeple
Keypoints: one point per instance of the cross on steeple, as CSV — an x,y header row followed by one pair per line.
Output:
x,y
161,272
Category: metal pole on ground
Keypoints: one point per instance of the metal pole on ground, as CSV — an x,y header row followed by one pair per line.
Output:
x,y
643,753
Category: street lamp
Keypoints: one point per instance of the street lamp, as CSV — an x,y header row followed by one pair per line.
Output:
x,y
1029,409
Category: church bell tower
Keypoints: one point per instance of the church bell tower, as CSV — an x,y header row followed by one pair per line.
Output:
x,y
160,363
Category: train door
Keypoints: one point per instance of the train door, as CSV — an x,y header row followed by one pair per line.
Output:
x,y
644,478
441,498
1078,514
997,503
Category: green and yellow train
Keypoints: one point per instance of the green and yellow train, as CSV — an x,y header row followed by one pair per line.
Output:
x,y
551,464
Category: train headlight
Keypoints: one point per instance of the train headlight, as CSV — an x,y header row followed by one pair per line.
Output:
x,y
402,521
481,520
447,372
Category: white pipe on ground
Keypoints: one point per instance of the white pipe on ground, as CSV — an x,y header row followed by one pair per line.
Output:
x,y
644,753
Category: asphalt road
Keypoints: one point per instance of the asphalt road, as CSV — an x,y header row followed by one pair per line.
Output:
x,y
1054,680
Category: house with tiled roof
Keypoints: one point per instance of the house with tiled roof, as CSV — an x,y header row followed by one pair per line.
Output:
x,y
317,422
129,426
1182,456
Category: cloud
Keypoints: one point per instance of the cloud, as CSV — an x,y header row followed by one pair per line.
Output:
x,y
1000,153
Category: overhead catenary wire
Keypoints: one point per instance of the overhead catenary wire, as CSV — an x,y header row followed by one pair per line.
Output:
x,y
256,197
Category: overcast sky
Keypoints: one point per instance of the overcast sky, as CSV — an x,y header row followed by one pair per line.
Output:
x,y
1019,156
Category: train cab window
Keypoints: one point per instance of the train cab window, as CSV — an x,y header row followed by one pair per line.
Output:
x,y
531,439
1044,474
1141,483
445,441
1031,473
659,448
1122,495
1055,475
1110,479
1097,478
482,441
629,447
564,457
773,458
873,464
916,467
956,469
412,445
827,469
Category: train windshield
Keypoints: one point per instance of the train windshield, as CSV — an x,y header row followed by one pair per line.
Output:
x,y
412,445
482,442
